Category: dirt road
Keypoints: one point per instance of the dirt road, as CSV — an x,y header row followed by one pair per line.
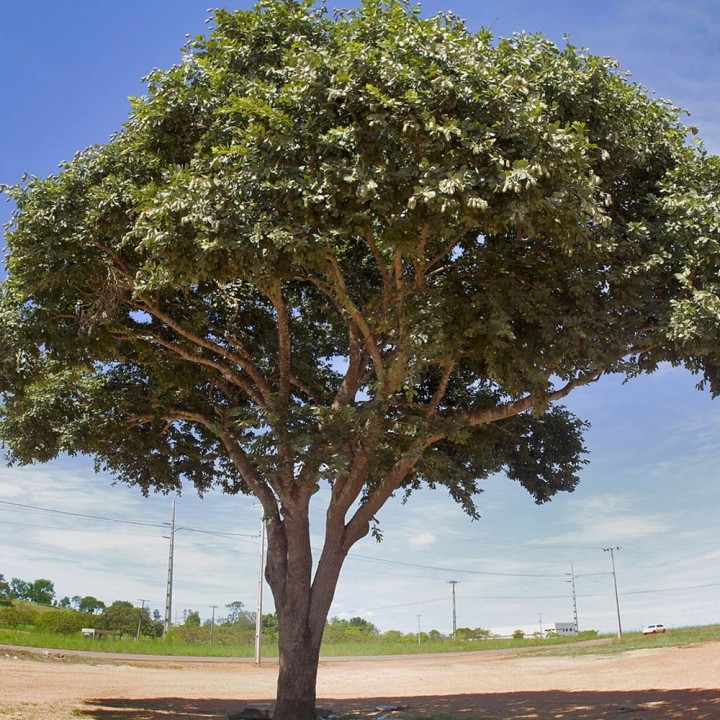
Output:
x,y
657,684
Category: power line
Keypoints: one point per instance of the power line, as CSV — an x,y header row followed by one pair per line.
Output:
x,y
375,560
682,561
454,570
219,533
121,521
409,604
660,590
240,535
53,511
530,544
75,529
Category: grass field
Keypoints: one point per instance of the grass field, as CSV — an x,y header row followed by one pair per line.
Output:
x,y
674,637
162,646
630,641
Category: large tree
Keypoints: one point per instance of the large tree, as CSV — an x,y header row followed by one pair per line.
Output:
x,y
41,591
90,604
368,251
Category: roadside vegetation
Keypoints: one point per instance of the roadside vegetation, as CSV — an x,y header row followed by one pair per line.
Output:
x,y
674,637
122,627
28,624
58,624
32,615
49,628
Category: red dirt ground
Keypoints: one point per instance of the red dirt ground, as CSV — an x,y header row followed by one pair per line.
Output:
x,y
652,684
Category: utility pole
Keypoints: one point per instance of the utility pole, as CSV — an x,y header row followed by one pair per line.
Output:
x,y
168,593
261,571
574,596
454,583
611,550
142,608
418,619
212,624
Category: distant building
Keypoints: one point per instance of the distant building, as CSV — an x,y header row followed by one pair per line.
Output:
x,y
565,629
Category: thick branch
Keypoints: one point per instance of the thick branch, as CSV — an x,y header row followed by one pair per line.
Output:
x,y
439,394
232,339
420,266
447,248
348,488
501,412
399,296
259,487
309,392
358,525
345,304
351,382
117,260
387,280
283,343
241,362
223,370
172,415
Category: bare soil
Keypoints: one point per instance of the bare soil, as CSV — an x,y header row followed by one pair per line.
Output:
x,y
657,684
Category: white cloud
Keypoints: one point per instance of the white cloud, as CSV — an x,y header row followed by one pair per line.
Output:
x,y
10,491
83,544
422,539
609,519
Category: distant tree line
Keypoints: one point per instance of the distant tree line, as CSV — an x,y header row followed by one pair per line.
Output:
x,y
121,617
78,612
41,591
235,626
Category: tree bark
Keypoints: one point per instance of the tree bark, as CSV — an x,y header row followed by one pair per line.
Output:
x,y
302,608
299,656
302,611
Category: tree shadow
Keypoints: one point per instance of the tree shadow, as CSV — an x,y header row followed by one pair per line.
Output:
x,y
546,705
159,708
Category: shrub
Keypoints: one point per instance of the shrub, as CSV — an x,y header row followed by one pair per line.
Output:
x,y
238,634
13,617
587,635
64,622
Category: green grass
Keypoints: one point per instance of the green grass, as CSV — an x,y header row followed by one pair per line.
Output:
x,y
168,646
35,607
674,637
566,646
403,647
144,646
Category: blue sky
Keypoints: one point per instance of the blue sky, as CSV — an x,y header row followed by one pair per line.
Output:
x,y
650,488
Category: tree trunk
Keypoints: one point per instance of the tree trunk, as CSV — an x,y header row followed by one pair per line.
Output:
x,y
299,655
302,606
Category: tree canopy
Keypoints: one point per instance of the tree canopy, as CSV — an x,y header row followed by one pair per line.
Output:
x,y
90,604
369,251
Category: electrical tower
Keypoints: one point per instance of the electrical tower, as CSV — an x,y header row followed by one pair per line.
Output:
x,y
574,597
